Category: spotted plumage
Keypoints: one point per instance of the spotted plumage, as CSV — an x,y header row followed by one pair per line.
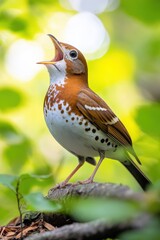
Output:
x,y
70,129
80,120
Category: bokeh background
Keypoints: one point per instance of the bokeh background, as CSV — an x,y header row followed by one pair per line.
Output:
x,y
121,41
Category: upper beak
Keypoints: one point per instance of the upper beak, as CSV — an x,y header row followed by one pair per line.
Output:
x,y
58,51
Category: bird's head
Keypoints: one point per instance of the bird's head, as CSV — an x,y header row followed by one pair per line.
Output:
x,y
68,62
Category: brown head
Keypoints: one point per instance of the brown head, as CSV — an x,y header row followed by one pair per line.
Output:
x,y
68,62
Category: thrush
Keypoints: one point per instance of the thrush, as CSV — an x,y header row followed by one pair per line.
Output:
x,y
80,120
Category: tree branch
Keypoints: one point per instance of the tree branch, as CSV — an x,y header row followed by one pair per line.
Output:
x,y
98,229
105,190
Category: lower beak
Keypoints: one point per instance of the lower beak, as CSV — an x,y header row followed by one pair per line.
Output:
x,y
45,62
58,52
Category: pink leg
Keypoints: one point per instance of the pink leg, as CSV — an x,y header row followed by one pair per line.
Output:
x,y
64,183
90,179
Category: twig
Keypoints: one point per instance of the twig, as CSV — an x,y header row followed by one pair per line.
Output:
x,y
19,197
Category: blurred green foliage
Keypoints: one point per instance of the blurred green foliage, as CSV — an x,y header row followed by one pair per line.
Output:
x,y
144,10
21,187
114,209
36,202
127,77
92,208
151,113
9,98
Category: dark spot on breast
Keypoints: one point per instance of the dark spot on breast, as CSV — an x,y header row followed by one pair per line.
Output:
x,y
102,140
106,140
116,146
62,111
72,118
108,143
60,106
80,123
96,138
94,130
66,120
67,108
87,129
86,124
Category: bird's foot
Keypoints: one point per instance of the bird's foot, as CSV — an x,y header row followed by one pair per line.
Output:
x,y
62,185
87,181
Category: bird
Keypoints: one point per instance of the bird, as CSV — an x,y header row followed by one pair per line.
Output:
x,y
80,120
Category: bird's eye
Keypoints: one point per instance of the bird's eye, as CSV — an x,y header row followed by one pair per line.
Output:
x,y
73,54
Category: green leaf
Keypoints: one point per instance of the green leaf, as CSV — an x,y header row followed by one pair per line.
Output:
x,y
8,132
14,22
9,98
8,205
18,24
17,154
148,118
9,181
30,181
144,10
147,49
37,202
112,210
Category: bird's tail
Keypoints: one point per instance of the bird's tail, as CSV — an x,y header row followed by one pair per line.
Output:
x,y
137,174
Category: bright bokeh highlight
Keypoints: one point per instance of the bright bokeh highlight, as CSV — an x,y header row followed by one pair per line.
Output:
x,y
94,6
21,59
86,32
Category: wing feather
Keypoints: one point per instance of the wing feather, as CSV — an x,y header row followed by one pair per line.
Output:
x,y
99,113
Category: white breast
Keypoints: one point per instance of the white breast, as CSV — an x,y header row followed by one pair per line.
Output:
x,y
75,133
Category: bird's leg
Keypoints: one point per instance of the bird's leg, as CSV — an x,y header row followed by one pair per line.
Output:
x,y
90,179
64,183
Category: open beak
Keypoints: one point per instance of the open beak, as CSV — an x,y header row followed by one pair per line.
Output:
x,y
58,52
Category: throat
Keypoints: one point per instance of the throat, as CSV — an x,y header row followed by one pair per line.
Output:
x,y
57,78
57,73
